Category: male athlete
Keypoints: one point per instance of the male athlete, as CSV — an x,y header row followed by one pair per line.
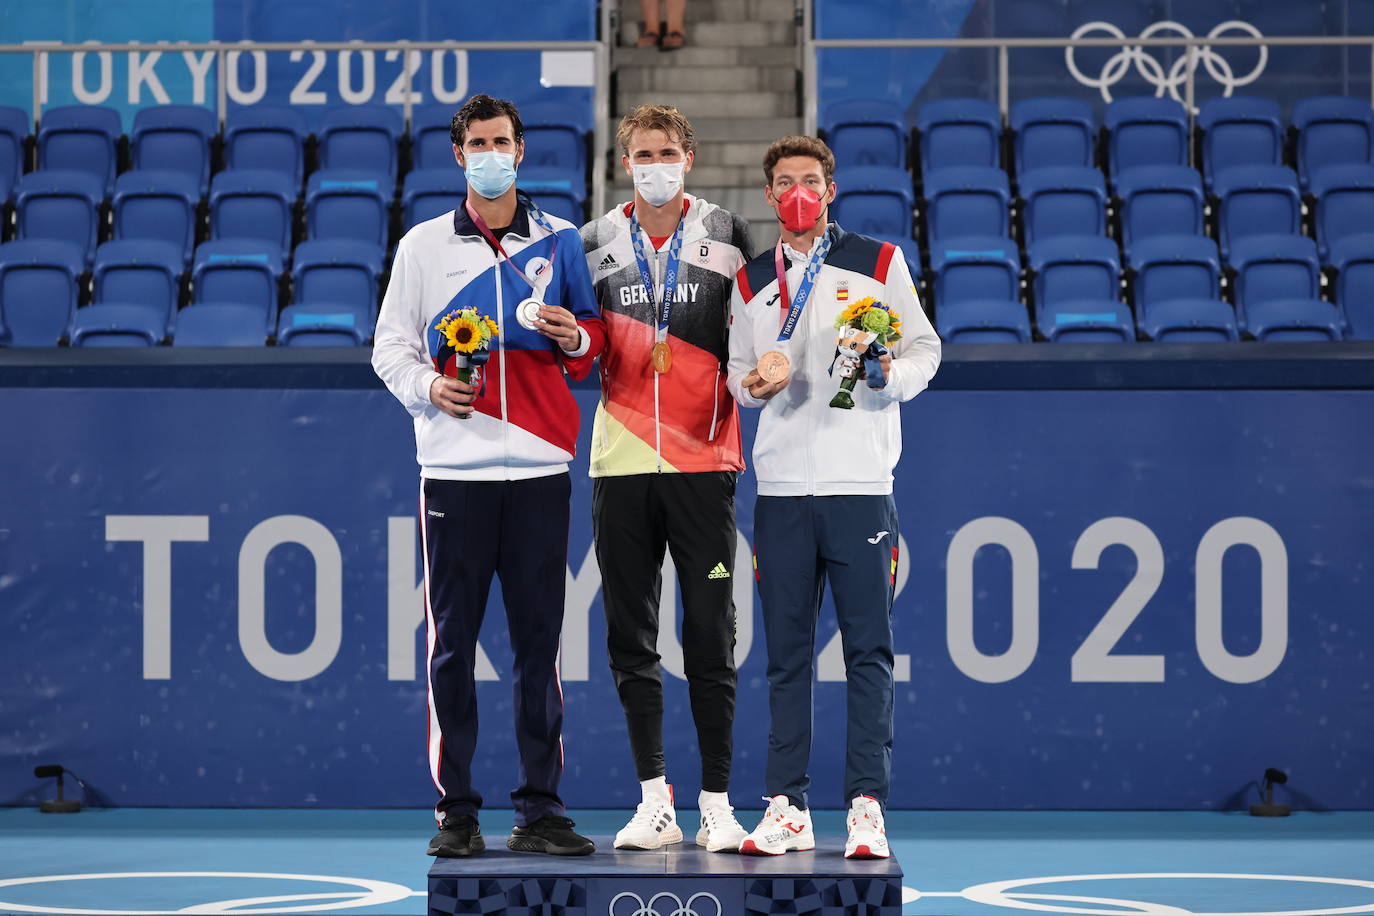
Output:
x,y
825,508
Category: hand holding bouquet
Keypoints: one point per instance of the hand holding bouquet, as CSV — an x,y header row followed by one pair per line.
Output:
x,y
866,328
465,336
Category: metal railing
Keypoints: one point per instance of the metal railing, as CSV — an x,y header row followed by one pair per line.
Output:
x,y
1004,46
227,55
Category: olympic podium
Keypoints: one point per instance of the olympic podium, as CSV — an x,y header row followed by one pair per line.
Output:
x,y
681,880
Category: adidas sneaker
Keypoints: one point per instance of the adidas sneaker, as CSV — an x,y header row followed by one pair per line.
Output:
x,y
867,835
654,824
719,832
784,828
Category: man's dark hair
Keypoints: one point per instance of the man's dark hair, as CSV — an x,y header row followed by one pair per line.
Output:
x,y
482,107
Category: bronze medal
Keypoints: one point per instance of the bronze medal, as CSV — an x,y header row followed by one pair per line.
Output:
x,y
774,367
663,356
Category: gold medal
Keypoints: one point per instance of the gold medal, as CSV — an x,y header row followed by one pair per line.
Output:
x,y
774,367
663,356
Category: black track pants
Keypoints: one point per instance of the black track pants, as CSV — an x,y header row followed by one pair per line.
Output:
x,y
635,518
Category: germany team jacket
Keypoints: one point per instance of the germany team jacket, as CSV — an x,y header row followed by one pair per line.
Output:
x,y
805,447
525,421
683,420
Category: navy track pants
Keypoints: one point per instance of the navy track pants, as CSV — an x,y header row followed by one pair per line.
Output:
x,y
517,530
800,543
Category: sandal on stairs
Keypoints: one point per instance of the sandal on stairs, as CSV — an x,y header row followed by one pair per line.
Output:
x,y
648,39
672,41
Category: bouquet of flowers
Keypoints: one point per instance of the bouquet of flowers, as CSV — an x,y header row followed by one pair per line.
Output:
x,y
465,336
866,328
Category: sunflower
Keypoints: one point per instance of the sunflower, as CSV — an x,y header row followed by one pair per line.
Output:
x,y
851,315
492,330
463,333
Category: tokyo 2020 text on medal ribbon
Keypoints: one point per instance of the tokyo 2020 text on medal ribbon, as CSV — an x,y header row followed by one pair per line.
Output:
x,y
527,311
774,365
663,353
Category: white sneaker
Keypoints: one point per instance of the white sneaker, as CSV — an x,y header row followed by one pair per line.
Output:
x,y
867,836
653,825
784,828
719,832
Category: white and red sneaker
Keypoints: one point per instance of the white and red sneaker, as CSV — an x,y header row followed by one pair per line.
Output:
x,y
867,835
784,828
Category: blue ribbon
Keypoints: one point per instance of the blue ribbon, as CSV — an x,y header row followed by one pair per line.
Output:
x,y
873,366
664,309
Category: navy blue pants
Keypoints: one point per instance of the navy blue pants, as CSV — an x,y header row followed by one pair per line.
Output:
x,y
800,543
517,530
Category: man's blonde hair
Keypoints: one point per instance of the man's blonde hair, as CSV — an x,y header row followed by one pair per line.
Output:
x,y
657,117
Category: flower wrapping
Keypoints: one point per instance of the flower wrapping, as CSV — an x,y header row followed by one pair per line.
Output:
x,y
866,328
465,336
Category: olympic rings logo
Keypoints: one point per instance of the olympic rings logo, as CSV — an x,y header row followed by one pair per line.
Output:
x,y
649,908
1153,72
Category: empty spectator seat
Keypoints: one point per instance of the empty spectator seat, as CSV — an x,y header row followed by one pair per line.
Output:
x,y
431,145
1063,200
140,272
157,204
428,193
82,138
320,326
360,137
966,201
1188,321
968,268
866,132
983,321
1353,259
175,138
1239,130
959,132
1332,130
1256,200
60,204
1052,132
1145,131
253,204
339,272
220,325
267,138
118,324
1168,267
1344,196
242,272
38,291
1159,200
348,204
556,190
14,135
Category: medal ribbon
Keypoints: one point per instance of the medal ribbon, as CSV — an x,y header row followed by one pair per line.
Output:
x,y
537,215
646,278
798,302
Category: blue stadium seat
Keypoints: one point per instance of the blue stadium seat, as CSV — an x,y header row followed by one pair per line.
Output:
x,y
144,272
1332,130
969,268
83,138
338,271
1266,267
321,326
1145,131
348,204
983,321
1353,259
866,132
253,204
1077,282
1063,200
553,139
238,271
59,204
1086,321
38,291
1239,130
874,199
176,138
1168,267
971,200
14,133
156,204
1294,319
262,137
1188,321
360,137
556,190
118,324
428,193
909,250
220,325
1256,200
1344,203
959,132
6,192
430,143
1159,200
1052,132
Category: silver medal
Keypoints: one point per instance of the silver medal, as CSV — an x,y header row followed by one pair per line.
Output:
x,y
527,313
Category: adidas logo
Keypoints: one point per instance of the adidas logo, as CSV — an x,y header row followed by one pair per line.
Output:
x,y
720,572
608,263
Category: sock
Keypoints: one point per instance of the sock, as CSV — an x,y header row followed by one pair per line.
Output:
x,y
656,788
713,799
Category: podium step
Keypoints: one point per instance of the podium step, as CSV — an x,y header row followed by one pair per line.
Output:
x,y
681,880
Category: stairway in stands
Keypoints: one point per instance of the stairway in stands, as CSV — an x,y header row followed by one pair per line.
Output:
x,y
736,81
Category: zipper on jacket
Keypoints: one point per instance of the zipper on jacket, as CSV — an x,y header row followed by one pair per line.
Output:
x,y
501,349
715,403
653,324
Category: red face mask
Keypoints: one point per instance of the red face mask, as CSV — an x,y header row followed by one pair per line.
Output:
x,y
799,208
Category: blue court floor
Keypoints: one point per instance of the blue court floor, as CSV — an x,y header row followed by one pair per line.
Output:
x,y
956,863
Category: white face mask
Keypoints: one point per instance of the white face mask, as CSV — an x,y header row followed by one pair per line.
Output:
x,y
658,182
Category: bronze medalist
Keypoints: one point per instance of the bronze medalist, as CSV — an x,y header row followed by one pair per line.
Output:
x,y
774,367
662,356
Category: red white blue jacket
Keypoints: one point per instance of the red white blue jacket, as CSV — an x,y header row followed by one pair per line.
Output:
x,y
525,421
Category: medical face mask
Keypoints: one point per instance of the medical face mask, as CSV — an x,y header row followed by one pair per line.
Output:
x,y
799,208
658,182
490,173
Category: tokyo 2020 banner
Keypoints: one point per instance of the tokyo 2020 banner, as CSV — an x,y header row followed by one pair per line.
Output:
x,y
1107,599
